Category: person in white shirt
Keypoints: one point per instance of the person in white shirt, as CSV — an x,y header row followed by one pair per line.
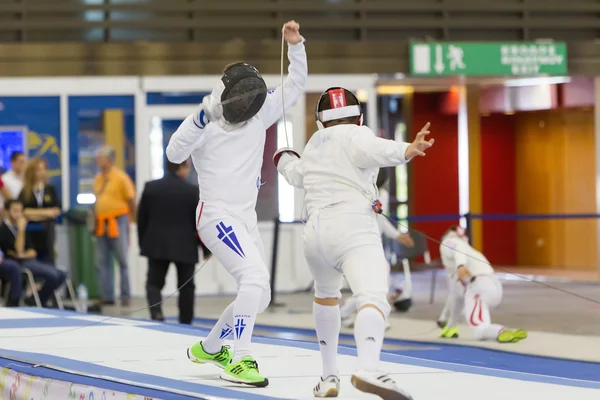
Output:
x,y
338,171
227,146
473,290
14,179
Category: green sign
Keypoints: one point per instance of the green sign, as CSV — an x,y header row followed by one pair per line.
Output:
x,y
519,58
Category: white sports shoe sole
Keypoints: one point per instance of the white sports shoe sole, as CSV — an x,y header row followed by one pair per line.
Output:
x,y
378,384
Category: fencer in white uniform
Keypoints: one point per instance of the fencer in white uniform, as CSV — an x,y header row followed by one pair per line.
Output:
x,y
228,158
473,289
338,171
389,231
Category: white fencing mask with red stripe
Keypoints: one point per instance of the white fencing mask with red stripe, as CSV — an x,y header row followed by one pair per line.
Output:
x,y
337,103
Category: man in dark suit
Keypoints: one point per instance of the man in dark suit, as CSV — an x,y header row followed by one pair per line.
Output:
x,y
167,234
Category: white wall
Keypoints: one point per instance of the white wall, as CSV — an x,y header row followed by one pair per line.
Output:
x,y
292,274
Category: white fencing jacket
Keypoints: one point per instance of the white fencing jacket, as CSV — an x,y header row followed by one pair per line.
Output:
x,y
455,251
228,160
339,167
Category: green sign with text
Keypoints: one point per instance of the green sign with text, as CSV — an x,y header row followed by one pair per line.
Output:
x,y
518,58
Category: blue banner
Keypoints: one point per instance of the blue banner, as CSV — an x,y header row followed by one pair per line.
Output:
x,y
86,135
41,116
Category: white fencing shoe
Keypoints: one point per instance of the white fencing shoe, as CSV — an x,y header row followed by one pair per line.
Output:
x,y
379,384
329,387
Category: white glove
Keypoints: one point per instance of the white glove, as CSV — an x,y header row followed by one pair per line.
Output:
x,y
209,110
281,152
213,108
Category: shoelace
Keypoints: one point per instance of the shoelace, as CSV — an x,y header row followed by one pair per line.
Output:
x,y
250,364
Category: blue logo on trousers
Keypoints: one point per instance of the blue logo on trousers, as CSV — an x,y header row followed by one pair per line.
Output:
x,y
227,236
225,331
239,327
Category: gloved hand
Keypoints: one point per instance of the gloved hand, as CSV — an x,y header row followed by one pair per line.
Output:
x,y
281,152
209,110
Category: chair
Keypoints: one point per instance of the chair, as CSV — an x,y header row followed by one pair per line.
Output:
x,y
57,295
34,290
410,253
72,295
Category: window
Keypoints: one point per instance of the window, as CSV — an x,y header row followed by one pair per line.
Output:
x,y
285,191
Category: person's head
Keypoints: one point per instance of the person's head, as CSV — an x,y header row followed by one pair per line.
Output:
x,y
13,210
338,106
106,158
181,170
36,172
456,231
17,162
242,92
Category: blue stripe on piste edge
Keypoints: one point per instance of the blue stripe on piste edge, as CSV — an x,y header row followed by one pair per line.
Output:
x,y
94,369
473,355
399,342
48,373
305,331
454,365
25,323
401,359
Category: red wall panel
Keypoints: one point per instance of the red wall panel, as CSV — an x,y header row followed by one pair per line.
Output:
x,y
434,188
498,177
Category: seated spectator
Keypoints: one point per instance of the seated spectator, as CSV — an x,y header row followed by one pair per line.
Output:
x,y
10,272
41,207
14,179
17,246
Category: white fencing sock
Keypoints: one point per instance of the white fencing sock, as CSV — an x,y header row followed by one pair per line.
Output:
x,y
221,331
327,324
369,328
244,315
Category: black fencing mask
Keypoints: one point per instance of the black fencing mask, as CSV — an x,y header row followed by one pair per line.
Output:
x,y
244,93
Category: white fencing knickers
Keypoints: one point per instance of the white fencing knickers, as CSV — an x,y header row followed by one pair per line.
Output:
x,y
237,246
338,244
483,292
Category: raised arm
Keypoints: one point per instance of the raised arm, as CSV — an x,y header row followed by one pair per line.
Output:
x,y
295,83
365,150
288,163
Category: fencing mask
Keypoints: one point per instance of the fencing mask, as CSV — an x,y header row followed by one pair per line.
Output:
x,y
244,92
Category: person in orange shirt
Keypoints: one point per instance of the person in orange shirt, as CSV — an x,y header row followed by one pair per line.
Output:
x,y
115,205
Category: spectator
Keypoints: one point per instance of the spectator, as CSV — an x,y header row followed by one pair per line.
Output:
x,y
167,234
10,272
4,195
115,202
16,245
41,207
14,179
